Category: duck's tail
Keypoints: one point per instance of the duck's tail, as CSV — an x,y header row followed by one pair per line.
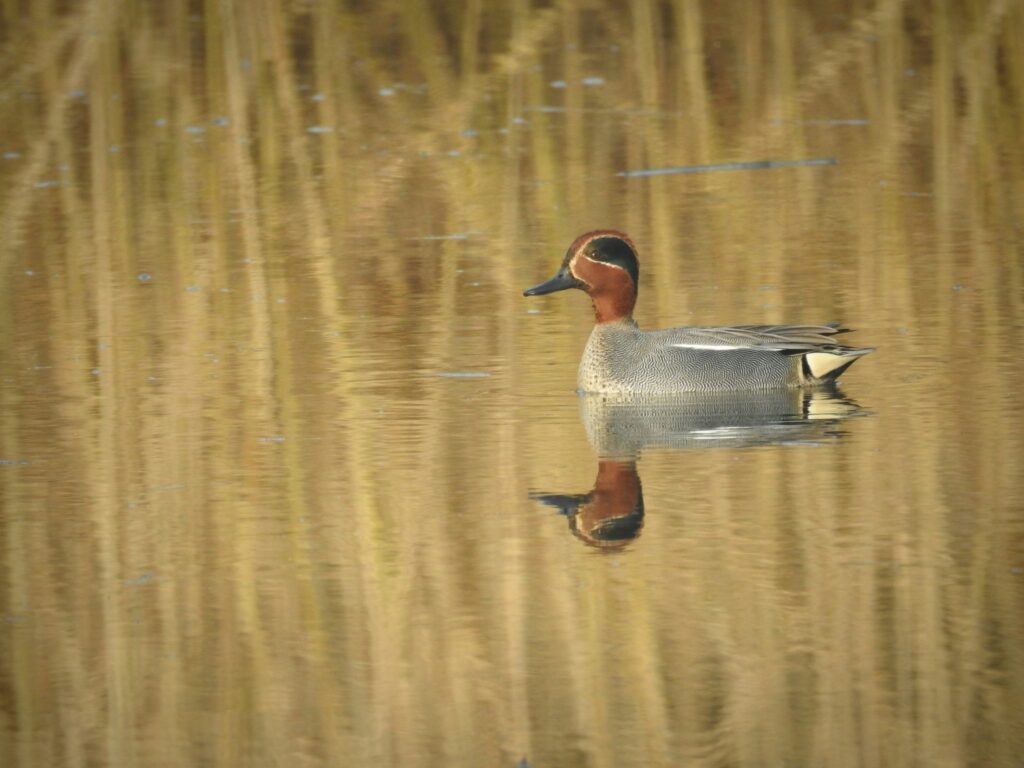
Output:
x,y
823,367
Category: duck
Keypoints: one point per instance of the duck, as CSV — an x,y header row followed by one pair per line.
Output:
x,y
622,359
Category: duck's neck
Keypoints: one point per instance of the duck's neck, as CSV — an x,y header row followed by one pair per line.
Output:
x,y
618,479
616,492
612,305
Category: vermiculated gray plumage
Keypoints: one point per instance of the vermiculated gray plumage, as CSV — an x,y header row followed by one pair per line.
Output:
x,y
620,358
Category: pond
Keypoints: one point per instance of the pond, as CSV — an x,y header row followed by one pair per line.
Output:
x,y
292,473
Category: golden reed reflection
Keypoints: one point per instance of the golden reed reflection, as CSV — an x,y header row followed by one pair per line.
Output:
x,y
244,520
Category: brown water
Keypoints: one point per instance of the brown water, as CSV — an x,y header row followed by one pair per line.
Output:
x,y
293,475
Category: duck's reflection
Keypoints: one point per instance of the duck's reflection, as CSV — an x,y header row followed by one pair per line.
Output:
x,y
612,514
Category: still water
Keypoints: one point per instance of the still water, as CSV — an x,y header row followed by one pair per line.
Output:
x,y
291,474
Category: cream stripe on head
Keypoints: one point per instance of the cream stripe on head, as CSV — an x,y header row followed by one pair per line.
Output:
x,y
601,263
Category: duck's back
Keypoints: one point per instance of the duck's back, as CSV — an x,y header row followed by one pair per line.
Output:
x,y
622,359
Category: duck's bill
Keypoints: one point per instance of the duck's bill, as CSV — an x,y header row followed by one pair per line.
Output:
x,y
559,282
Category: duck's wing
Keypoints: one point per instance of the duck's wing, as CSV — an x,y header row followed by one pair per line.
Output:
x,y
786,339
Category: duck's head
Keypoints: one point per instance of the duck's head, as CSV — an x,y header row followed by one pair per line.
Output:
x,y
603,263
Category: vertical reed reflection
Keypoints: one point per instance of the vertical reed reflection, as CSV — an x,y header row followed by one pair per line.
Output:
x,y
244,520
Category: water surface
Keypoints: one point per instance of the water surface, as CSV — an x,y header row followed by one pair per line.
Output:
x,y
291,473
